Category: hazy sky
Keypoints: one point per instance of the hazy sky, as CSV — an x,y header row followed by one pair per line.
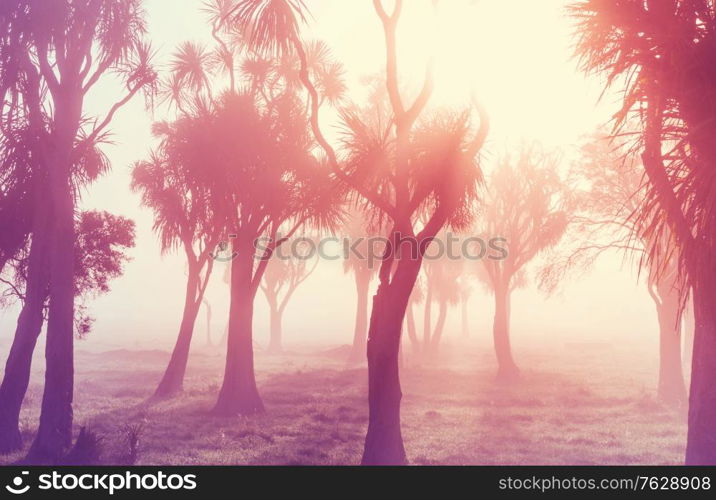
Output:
x,y
515,56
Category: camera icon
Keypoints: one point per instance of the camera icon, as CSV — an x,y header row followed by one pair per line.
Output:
x,y
17,488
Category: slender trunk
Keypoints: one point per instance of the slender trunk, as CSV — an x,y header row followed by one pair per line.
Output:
x,y
173,378
19,362
671,388
507,369
701,439
439,327
275,344
54,434
412,331
360,332
225,336
427,320
384,441
688,335
209,342
239,394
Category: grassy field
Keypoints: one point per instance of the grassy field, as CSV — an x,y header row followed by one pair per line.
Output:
x,y
573,405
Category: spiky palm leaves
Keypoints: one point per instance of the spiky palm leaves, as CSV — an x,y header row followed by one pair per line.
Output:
x,y
171,184
526,204
662,54
267,71
441,171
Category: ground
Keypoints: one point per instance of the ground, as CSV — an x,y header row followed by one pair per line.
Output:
x,y
597,408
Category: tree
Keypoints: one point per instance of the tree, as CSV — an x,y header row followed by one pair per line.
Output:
x,y
443,286
170,185
360,263
417,297
256,136
243,144
660,55
281,278
102,240
207,306
412,171
609,190
526,207
65,48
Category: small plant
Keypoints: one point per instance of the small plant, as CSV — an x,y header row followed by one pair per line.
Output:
x,y
87,449
132,436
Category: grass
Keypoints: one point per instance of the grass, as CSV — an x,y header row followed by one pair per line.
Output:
x,y
596,408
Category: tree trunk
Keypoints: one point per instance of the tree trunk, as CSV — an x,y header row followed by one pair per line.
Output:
x,y
239,394
507,369
412,331
173,379
360,332
439,327
688,335
54,434
209,342
384,441
701,439
671,388
427,320
276,330
19,362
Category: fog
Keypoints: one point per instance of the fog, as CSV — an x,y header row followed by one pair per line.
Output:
x,y
143,309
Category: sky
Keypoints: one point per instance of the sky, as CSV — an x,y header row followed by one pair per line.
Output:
x,y
515,57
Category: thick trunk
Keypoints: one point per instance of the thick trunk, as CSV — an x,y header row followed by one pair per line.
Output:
x,y
17,368
54,434
701,439
239,394
173,379
276,330
671,388
507,369
384,441
360,332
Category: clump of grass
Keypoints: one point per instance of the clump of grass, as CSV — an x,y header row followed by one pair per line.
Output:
x,y
87,450
132,440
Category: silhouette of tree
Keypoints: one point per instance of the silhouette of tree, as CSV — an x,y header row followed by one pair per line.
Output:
x,y
660,54
255,137
443,287
417,297
418,170
361,264
609,190
242,144
527,206
207,307
65,48
170,184
99,257
281,279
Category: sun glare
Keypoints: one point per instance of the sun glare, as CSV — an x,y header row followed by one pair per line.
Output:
x,y
516,61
